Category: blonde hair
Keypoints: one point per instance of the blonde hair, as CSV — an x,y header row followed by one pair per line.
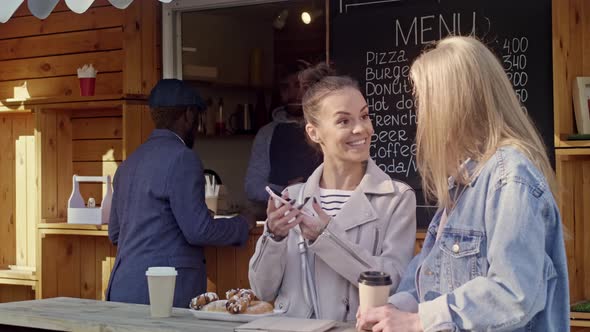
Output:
x,y
467,108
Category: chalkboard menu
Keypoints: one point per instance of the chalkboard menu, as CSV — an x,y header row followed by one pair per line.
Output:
x,y
375,42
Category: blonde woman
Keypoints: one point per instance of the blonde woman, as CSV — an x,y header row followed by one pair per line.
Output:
x,y
365,220
494,256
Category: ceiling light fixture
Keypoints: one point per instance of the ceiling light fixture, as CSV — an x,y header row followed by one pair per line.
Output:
x,y
281,19
308,16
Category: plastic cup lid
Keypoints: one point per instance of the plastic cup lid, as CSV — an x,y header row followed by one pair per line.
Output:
x,y
161,271
375,278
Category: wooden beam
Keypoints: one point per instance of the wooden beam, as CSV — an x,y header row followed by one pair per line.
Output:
x,y
94,18
97,128
106,84
7,188
62,43
132,79
60,65
60,7
131,129
98,150
64,162
46,146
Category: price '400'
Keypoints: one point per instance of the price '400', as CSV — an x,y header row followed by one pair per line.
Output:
x,y
516,45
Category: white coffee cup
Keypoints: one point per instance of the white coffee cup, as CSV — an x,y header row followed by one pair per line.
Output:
x,y
374,289
161,283
211,202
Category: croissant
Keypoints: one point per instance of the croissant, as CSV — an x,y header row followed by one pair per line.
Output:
x,y
237,305
202,300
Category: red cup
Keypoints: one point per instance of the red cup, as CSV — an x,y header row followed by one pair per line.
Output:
x,y
87,86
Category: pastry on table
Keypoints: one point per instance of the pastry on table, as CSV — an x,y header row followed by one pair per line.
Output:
x,y
198,302
239,301
215,306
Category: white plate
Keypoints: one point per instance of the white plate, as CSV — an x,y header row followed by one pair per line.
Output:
x,y
215,315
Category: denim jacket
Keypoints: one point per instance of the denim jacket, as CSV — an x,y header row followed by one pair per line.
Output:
x,y
499,263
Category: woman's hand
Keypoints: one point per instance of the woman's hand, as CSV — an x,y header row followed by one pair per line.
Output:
x,y
312,227
278,219
388,318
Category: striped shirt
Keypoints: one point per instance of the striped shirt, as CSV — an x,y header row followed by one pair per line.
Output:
x,y
332,200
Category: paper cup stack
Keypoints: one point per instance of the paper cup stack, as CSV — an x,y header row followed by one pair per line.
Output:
x,y
87,77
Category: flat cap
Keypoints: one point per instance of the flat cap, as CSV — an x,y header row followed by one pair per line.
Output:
x,y
175,93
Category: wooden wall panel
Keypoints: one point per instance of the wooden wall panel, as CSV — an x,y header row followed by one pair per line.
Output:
x,y
149,35
11,293
585,30
46,140
565,176
97,128
132,51
574,204
61,6
226,269
96,113
584,215
243,261
50,267
67,257
88,268
89,168
581,235
571,57
98,150
63,43
106,84
561,46
24,150
64,162
94,18
211,267
132,128
46,54
7,193
60,65
32,199
147,124
102,266
21,201
73,265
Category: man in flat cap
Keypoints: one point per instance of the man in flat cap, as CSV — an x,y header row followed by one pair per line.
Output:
x,y
159,216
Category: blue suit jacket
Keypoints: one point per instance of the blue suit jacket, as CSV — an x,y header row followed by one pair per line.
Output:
x,y
159,218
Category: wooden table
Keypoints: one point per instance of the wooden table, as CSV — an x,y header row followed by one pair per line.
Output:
x,y
72,314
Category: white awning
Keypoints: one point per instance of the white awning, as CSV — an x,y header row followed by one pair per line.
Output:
x,y
42,8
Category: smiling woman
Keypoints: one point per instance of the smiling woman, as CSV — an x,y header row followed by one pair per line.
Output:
x,y
362,219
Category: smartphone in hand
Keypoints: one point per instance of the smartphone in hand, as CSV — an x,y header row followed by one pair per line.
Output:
x,y
278,200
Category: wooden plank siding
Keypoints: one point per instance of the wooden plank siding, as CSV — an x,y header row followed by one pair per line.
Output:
x,y
62,43
571,58
60,7
14,129
11,293
25,185
59,65
7,213
94,18
89,141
